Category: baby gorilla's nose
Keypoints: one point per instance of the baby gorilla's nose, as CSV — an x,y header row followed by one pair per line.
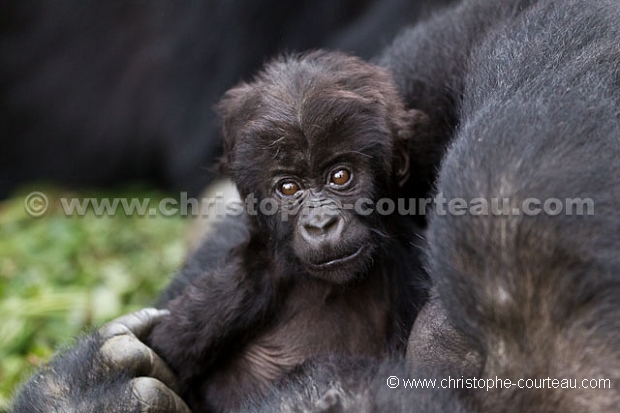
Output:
x,y
322,225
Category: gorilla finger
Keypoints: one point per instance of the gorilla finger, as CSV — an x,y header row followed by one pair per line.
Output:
x,y
127,352
153,396
138,323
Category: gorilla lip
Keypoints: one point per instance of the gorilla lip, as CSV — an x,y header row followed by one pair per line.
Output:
x,y
338,261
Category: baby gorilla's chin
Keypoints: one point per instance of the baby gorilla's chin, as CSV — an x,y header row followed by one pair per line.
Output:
x,y
344,268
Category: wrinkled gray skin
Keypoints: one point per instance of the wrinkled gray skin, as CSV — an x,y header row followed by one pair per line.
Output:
x,y
153,389
118,351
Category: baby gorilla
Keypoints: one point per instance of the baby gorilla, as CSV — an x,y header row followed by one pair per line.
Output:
x,y
311,144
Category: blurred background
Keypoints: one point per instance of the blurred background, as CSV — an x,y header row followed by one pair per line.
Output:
x,y
107,99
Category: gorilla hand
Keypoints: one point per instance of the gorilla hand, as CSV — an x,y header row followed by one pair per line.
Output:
x,y
110,370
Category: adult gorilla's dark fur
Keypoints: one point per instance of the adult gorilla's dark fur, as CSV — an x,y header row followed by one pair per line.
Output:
x,y
314,133
540,118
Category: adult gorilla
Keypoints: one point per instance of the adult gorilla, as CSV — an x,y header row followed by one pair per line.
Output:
x,y
524,95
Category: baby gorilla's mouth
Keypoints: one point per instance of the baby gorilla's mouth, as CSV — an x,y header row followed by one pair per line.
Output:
x,y
337,261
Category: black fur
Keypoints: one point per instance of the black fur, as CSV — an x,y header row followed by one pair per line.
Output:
x,y
346,384
212,253
539,118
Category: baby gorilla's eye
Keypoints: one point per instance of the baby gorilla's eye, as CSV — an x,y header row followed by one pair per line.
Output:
x,y
289,188
340,177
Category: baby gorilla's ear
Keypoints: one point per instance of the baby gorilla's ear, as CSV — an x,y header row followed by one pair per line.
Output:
x,y
234,110
410,124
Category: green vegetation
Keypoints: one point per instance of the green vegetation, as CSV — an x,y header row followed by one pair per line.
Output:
x,y
61,275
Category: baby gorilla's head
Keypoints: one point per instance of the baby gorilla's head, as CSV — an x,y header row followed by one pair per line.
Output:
x,y
313,138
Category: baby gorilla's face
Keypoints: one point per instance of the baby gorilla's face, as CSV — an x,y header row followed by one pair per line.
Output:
x,y
318,171
319,202
318,136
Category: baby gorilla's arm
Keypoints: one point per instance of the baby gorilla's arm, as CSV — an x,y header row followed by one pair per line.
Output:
x,y
216,312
